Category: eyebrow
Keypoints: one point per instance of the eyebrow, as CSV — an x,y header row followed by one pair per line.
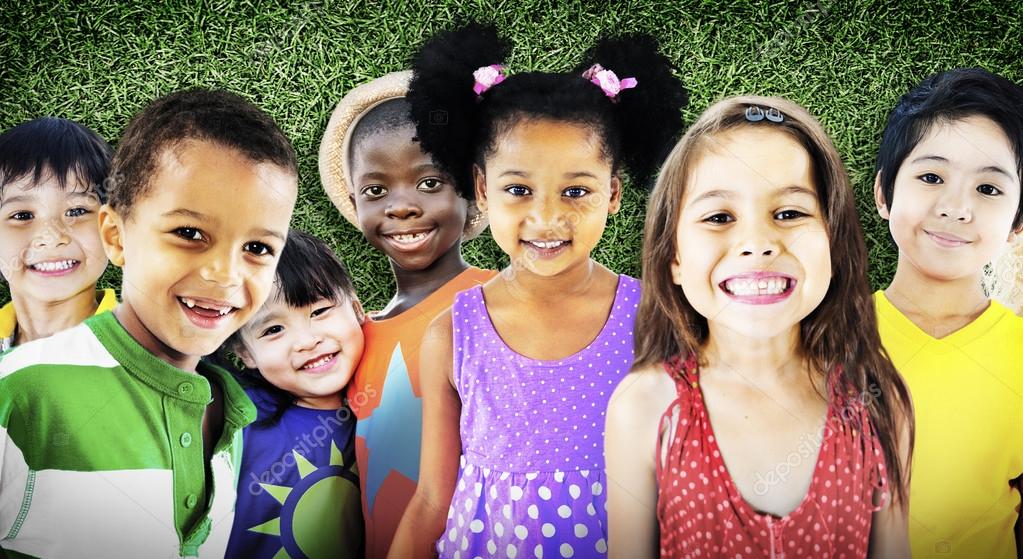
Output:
x,y
377,175
729,194
988,169
18,198
569,176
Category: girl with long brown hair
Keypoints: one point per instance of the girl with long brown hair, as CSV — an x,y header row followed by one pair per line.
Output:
x,y
762,417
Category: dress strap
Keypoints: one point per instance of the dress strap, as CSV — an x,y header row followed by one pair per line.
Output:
x,y
683,372
466,312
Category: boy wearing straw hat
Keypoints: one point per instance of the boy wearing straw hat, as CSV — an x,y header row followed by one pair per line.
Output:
x,y
382,182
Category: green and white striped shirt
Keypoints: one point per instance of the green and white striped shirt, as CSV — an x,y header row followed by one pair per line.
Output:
x,y
101,451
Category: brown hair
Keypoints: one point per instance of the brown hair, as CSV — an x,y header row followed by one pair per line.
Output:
x,y
839,335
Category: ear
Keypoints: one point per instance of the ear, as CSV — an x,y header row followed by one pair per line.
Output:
x,y
111,233
676,271
879,201
360,314
1013,234
351,198
479,179
616,195
243,353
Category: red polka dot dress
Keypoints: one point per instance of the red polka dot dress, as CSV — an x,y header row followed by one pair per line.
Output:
x,y
702,514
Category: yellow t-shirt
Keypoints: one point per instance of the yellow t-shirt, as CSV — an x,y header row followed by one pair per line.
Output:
x,y
9,322
967,391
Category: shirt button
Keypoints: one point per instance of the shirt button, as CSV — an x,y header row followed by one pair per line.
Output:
x,y
185,388
186,440
191,500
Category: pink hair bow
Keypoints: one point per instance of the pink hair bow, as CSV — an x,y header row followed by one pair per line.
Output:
x,y
608,81
487,77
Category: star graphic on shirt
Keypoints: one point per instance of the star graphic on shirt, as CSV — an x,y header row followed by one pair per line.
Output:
x,y
397,422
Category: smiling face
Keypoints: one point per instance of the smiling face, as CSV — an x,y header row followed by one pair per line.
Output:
x,y
548,190
407,207
954,199
753,253
199,250
50,249
309,352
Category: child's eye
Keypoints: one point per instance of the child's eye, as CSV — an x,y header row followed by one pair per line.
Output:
x,y
988,190
258,248
430,184
517,190
22,216
275,329
719,218
373,191
322,310
76,212
575,192
189,233
930,178
789,214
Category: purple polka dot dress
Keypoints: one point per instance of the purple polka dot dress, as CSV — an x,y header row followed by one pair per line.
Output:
x,y
531,481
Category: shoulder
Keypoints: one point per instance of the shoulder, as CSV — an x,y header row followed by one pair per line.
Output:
x,y
439,331
73,348
643,395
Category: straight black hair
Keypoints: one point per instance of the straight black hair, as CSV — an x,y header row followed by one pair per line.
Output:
x,y
56,146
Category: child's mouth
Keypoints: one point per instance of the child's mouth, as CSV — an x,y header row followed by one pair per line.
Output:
x,y
409,241
547,249
52,268
947,240
758,288
205,313
320,364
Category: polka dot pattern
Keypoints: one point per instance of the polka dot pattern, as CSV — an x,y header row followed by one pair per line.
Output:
x,y
702,514
533,437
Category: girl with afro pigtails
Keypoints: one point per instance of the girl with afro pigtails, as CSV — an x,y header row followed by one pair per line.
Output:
x,y
516,376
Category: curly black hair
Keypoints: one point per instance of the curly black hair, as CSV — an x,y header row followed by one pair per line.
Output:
x,y
459,128
216,116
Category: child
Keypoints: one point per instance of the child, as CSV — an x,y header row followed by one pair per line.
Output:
x,y
762,418
298,490
51,172
417,214
948,182
516,376
115,440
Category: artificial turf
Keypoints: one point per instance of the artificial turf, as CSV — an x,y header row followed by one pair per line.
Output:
x,y
848,62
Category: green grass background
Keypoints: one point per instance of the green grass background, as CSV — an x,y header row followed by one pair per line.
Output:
x,y
848,62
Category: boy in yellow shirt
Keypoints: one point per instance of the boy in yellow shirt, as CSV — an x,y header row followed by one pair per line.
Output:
x,y
51,186
948,182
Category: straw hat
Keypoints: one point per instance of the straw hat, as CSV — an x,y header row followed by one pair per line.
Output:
x,y
335,171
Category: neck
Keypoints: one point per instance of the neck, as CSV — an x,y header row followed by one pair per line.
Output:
x,y
38,319
524,285
759,361
130,321
332,402
416,285
916,294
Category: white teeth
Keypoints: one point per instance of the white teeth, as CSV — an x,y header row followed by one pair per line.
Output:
x,y
321,361
546,244
57,266
190,303
409,238
751,287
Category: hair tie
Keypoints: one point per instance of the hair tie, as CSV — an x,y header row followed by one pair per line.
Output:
x,y
608,81
487,77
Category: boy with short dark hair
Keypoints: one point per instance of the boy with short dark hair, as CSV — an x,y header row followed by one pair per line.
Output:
x,y
407,207
51,186
115,439
948,182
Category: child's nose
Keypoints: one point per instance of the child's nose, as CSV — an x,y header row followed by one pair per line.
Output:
x,y
222,268
53,233
403,207
758,240
955,204
306,340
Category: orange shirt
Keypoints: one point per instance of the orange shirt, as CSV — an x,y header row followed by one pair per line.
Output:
x,y
385,396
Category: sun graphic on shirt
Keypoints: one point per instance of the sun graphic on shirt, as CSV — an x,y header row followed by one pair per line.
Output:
x,y
324,496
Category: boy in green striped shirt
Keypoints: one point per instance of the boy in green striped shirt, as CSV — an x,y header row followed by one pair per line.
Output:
x,y
115,439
